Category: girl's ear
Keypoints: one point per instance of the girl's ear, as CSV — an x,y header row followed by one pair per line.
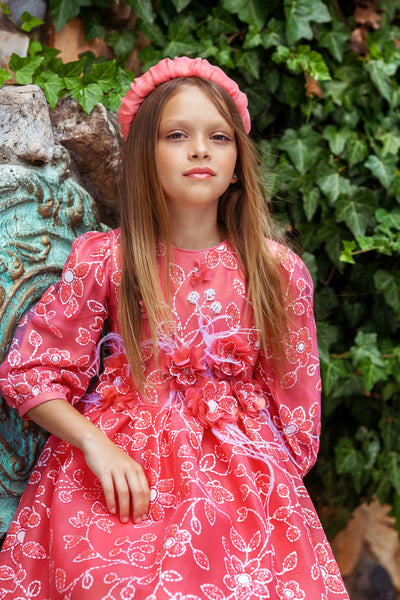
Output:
x,y
234,178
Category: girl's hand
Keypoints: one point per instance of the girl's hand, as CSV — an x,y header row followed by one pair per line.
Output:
x,y
123,479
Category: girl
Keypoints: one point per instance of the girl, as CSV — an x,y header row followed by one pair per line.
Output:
x,y
178,473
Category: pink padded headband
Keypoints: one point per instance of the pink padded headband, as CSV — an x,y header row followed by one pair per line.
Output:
x,y
168,69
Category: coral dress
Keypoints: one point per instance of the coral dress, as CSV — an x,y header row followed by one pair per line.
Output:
x,y
223,440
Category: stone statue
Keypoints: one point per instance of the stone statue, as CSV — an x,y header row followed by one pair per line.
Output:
x,y
42,210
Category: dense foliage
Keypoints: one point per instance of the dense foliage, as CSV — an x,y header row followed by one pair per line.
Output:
x,y
321,80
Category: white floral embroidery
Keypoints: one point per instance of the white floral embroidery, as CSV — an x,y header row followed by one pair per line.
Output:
x,y
216,307
209,294
193,297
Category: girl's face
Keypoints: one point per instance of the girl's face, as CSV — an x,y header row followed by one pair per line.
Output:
x,y
196,151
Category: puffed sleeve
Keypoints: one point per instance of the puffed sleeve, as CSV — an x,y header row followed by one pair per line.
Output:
x,y
52,354
294,389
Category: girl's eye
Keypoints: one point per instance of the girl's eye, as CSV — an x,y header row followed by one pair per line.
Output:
x,y
221,137
175,135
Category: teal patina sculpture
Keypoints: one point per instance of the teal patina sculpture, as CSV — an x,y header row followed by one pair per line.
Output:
x,y
42,210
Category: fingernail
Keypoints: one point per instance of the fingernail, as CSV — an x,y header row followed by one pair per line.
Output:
x,y
124,519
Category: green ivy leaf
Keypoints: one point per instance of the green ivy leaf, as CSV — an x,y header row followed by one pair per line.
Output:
x,y
365,347
356,210
62,11
347,254
152,31
390,142
356,150
51,84
249,61
311,201
71,72
332,372
337,138
220,22
333,184
274,35
88,96
4,9
389,285
302,146
381,73
24,67
144,8
180,4
348,459
121,43
29,21
253,12
4,76
180,40
335,39
93,26
104,75
383,169
299,14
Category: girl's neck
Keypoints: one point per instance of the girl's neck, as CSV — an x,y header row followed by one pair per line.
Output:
x,y
195,232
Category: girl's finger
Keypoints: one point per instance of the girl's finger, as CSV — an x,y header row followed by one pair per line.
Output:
x,y
123,495
140,493
109,492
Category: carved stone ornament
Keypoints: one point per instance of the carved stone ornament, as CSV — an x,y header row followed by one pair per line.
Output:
x,y
42,210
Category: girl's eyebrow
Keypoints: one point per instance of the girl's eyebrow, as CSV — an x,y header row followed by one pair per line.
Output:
x,y
181,122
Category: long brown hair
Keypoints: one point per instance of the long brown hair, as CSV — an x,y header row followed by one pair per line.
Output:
x,y
243,211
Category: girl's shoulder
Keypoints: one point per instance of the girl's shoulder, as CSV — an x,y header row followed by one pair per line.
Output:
x,y
292,268
96,244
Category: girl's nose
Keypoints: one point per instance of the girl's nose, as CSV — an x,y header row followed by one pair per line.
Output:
x,y
199,149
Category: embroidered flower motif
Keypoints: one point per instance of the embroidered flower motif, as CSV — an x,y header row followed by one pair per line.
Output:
x,y
329,569
185,365
175,541
161,496
72,279
212,403
247,579
289,591
116,388
209,294
295,426
216,308
229,356
299,347
56,357
249,396
193,297
15,540
34,382
201,273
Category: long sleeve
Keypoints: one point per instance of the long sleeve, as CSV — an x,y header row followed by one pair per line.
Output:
x,y
294,392
52,354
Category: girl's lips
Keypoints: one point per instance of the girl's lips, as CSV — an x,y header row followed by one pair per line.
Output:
x,y
199,173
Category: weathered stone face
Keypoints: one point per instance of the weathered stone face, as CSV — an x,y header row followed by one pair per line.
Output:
x,y
42,210
25,126
94,143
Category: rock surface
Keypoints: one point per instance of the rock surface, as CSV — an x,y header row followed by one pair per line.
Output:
x,y
36,8
368,554
94,143
25,126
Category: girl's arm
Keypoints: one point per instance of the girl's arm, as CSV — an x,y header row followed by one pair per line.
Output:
x,y
122,478
294,393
